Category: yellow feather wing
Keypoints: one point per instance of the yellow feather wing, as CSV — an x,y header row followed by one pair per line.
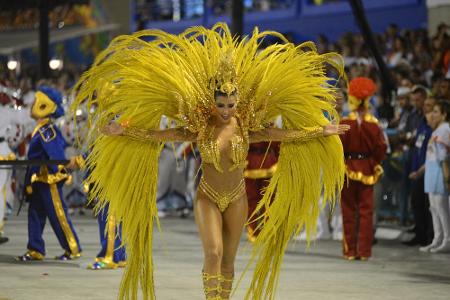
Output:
x,y
139,78
291,82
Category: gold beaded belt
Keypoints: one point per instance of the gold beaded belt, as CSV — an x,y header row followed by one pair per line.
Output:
x,y
222,199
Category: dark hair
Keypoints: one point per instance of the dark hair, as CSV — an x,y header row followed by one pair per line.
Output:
x,y
441,26
420,90
444,107
220,93
213,84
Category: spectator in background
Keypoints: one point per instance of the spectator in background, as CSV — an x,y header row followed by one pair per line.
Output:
x,y
428,105
406,130
403,110
441,53
421,59
443,91
322,44
437,177
419,200
417,97
399,54
391,33
407,82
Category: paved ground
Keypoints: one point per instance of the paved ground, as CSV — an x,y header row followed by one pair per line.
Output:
x,y
395,272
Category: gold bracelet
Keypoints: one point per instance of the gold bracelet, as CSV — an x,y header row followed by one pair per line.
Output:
x,y
139,134
304,134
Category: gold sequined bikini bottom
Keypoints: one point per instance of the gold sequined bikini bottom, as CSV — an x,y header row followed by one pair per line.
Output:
x,y
222,199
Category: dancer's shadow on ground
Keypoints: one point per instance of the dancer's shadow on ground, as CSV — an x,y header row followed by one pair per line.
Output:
x,y
310,253
10,259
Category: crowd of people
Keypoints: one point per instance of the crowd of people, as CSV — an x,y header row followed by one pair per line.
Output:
x,y
59,16
414,123
419,68
159,10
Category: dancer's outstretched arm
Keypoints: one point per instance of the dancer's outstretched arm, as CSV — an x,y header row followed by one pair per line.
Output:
x,y
293,135
150,135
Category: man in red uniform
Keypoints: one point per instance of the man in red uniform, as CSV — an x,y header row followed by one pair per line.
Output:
x,y
262,162
364,148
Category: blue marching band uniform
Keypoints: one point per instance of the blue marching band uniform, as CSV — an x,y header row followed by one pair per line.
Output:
x,y
44,190
44,183
111,255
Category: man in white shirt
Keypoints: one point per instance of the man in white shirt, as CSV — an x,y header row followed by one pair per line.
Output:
x,y
7,116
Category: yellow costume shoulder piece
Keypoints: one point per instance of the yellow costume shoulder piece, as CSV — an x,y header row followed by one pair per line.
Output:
x,y
351,116
368,117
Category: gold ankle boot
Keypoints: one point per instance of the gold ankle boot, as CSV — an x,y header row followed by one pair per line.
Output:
x,y
211,286
226,286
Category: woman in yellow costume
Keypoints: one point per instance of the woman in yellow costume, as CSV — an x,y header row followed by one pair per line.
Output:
x,y
222,93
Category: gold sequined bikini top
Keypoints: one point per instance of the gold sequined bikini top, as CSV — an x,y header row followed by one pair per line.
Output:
x,y
210,151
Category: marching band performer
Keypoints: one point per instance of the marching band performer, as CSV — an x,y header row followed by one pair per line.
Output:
x,y
364,149
44,183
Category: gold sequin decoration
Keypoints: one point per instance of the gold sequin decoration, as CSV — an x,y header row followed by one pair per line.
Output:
x,y
210,152
140,134
222,199
304,134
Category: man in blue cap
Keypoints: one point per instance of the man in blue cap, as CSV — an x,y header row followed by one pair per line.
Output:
x,y
44,183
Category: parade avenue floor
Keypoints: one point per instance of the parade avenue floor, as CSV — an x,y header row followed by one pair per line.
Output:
x,y
395,271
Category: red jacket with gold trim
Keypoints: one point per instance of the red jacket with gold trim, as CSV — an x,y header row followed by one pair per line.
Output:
x,y
262,160
364,148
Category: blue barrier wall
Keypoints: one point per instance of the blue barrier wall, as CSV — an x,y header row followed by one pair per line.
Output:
x,y
306,20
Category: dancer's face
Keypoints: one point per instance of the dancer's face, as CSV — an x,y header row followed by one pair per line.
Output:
x,y
225,108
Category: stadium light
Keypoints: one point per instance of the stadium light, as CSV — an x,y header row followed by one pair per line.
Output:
x,y
12,64
55,64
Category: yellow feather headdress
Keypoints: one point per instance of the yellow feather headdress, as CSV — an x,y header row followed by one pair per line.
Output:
x,y
224,80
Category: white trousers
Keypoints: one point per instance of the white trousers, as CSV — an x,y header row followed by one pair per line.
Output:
x,y
5,176
440,213
6,195
2,198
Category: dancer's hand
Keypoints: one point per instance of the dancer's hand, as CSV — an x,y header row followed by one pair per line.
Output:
x,y
332,129
112,129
